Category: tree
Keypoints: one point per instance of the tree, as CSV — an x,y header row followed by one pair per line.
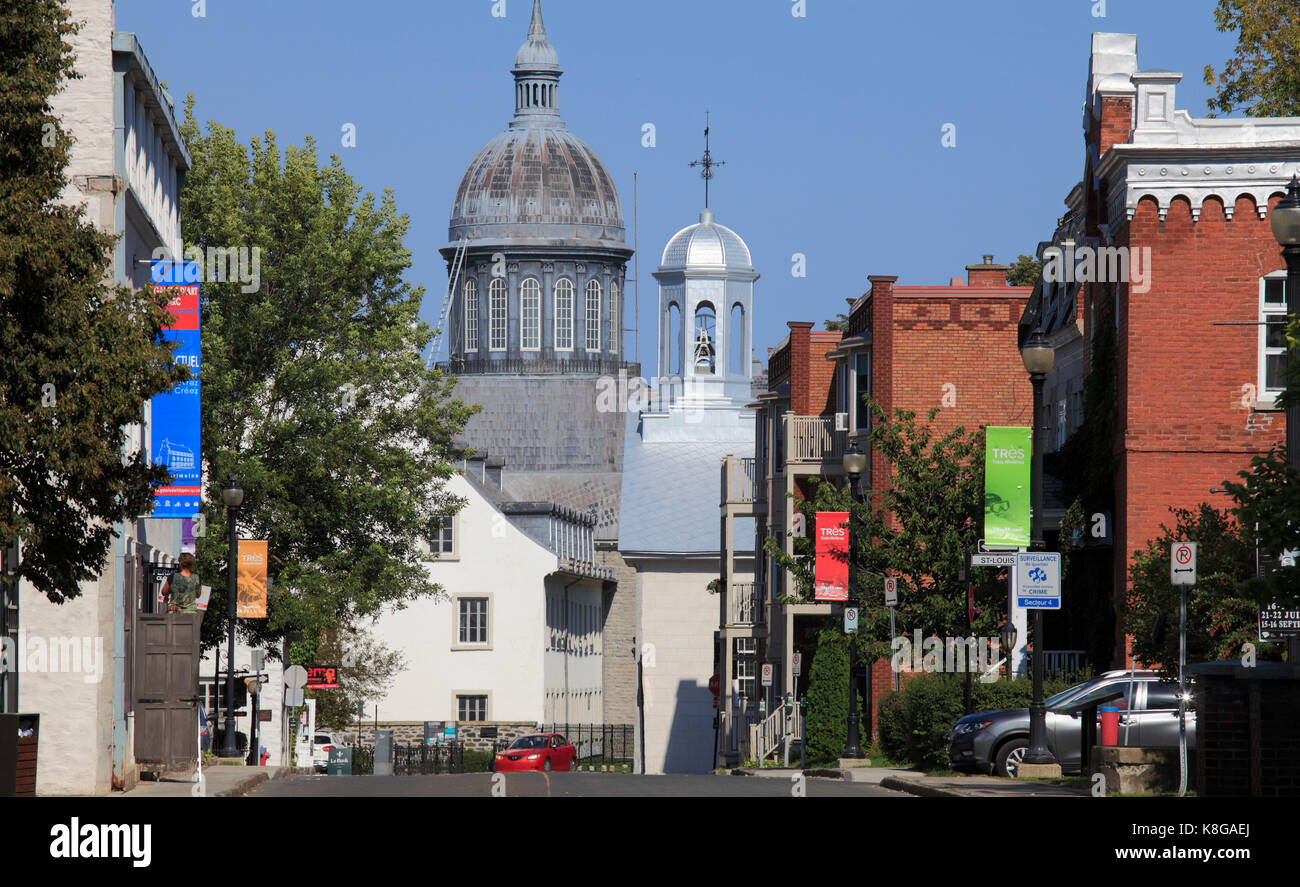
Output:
x,y
366,670
1263,78
78,358
839,325
315,393
827,723
1025,271
1222,607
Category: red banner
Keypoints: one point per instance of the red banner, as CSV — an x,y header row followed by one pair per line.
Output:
x,y
831,572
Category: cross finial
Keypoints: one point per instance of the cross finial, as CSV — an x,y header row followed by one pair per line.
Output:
x,y
707,161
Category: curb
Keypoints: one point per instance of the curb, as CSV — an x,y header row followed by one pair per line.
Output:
x,y
253,781
916,788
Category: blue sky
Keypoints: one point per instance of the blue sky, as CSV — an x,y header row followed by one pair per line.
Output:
x,y
830,124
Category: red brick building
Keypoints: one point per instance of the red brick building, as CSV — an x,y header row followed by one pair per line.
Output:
x,y
1172,214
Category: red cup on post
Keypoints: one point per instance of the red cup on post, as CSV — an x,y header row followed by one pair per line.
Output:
x,y
1109,725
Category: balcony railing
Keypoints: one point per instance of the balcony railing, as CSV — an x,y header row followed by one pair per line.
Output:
x,y
746,604
812,439
740,481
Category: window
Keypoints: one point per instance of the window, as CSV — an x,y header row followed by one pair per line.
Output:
x,y
1161,697
613,316
674,350
443,541
471,315
1062,429
473,620
593,315
862,388
743,659
471,708
531,298
564,315
736,330
704,346
1272,336
497,297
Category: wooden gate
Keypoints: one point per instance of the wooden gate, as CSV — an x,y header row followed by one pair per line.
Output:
x,y
166,691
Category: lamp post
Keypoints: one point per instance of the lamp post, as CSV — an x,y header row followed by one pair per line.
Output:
x,y
1038,357
854,463
1285,221
232,494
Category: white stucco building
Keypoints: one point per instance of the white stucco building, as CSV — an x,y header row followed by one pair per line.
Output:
x,y
126,168
669,527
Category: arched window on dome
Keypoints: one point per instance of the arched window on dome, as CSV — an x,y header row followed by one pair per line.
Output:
x,y
736,331
530,292
674,350
703,352
564,315
614,321
497,315
471,314
593,315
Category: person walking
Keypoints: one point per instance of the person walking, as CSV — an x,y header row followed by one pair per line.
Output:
x,y
182,589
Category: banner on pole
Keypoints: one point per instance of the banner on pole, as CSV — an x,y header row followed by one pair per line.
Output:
x,y
831,567
252,579
174,416
1006,487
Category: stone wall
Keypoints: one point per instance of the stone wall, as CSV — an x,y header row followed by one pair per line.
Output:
x,y
620,637
469,732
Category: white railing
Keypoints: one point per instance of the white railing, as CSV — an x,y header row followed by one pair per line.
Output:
x,y
746,604
769,734
741,479
812,439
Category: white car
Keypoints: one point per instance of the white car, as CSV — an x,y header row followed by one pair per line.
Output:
x,y
321,745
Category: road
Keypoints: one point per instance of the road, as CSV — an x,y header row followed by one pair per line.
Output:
x,y
560,785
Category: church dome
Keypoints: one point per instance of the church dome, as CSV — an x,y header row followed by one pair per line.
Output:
x,y
536,183
706,245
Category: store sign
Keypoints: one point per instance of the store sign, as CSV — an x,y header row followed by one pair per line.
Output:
x,y
1006,487
174,416
831,568
322,677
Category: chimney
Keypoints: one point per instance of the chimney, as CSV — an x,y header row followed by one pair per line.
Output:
x,y
492,467
1108,116
986,274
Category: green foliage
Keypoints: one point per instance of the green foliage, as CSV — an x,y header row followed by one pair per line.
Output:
x,y
1263,77
828,697
1025,271
315,393
839,325
366,670
1222,608
78,358
914,722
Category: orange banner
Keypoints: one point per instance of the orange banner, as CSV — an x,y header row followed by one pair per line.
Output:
x,y
252,579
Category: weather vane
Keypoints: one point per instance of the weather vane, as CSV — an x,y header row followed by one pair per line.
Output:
x,y
707,162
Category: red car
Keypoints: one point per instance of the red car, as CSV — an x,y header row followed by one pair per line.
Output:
x,y
537,751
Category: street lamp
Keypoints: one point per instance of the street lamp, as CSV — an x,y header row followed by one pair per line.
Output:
x,y
1038,357
854,463
1286,229
232,495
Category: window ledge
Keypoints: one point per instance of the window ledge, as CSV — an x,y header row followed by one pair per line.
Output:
x,y
1267,405
457,648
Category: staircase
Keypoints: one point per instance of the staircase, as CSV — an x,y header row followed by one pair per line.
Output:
x,y
769,735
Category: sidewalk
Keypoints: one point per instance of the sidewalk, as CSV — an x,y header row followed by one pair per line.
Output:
x,y
220,781
869,775
977,787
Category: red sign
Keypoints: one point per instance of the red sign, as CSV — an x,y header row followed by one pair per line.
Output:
x,y
715,685
831,569
322,677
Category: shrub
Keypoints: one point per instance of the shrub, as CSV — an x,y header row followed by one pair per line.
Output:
x,y
828,697
477,761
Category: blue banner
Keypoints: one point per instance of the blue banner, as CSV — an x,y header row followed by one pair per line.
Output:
x,y
175,415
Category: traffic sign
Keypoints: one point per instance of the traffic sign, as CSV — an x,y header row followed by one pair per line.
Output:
x,y
850,620
767,674
1003,559
1038,580
292,697
715,685
797,662
891,591
295,677
1182,563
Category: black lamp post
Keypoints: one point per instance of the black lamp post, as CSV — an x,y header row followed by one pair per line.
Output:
x,y
854,464
1285,221
232,494
1038,357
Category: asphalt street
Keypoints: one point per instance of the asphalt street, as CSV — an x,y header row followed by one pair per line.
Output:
x,y
560,785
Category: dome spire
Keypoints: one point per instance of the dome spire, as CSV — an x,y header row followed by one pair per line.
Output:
x,y
708,163
537,74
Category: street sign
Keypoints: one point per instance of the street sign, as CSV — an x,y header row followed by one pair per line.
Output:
x,y
797,662
292,697
1182,563
715,686
1004,559
1279,620
891,591
850,620
295,677
767,674
1038,580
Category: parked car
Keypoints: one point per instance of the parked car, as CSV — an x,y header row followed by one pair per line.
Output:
x,y
321,746
537,751
996,741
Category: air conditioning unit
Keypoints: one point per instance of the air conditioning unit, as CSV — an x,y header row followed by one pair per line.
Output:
x,y
841,421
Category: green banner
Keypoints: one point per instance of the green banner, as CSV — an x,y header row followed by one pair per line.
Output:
x,y
1006,487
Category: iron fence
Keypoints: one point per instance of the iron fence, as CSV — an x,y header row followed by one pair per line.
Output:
x,y
413,759
598,744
